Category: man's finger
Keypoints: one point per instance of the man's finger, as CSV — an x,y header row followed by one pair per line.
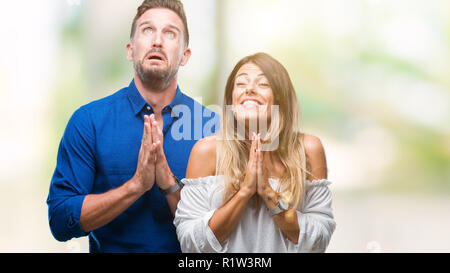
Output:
x,y
159,151
147,138
144,142
153,152
144,134
150,127
155,129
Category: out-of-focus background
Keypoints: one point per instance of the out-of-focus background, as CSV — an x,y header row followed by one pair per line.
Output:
x,y
372,78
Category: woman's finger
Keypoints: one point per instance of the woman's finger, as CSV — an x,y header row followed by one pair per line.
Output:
x,y
260,155
253,149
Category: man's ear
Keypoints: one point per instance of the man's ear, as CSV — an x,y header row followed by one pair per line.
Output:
x,y
186,56
130,52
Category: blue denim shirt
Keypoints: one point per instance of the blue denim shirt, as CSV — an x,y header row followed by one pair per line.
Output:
x,y
99,151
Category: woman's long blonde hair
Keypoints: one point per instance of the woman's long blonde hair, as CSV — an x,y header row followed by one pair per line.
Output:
x,y
233,152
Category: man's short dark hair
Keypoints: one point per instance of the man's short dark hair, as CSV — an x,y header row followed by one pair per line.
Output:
x,y
174,5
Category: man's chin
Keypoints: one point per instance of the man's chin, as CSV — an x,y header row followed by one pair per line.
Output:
x,y
153,73
155,70
157,77
156,80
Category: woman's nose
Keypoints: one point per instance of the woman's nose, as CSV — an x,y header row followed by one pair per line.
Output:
x,y
250,88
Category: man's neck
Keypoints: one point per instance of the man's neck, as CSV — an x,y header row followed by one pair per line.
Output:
x,y
157,98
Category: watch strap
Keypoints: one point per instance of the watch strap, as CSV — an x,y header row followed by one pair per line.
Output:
x,y
278,208
172,188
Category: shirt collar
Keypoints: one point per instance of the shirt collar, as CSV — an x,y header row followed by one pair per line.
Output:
x,y
177,100
138,102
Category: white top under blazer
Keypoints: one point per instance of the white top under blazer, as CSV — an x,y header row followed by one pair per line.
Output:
x,y
256,230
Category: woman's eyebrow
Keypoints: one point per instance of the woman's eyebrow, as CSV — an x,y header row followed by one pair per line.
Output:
x,y
242,74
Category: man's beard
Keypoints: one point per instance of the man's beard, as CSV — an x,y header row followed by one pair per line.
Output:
x,y
154,78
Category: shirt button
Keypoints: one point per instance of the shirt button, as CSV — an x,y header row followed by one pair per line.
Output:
x,y
148,108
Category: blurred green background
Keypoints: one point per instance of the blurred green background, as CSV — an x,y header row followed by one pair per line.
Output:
x,y
372,79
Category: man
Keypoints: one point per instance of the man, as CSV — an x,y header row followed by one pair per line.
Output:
x,y
119,164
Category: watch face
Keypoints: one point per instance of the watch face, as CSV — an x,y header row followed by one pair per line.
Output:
x,y
283,205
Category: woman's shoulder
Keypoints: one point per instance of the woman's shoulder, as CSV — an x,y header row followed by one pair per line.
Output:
x,y
206,146
202,160
313,144
315,157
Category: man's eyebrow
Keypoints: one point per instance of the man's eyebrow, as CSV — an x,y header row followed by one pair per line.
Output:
x,y
174,27
169,25
145,23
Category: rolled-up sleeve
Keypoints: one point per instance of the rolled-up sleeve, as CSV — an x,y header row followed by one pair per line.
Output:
x,y
73,177
192,217
316,221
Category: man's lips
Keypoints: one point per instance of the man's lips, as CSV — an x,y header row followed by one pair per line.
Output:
x,y
155,56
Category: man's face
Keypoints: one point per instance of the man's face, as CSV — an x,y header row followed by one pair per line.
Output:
x,y
158,47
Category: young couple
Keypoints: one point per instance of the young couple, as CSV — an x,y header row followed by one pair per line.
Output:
x,y
123,179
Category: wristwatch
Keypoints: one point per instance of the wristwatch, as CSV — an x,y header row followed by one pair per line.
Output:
x,y
279,208
178,185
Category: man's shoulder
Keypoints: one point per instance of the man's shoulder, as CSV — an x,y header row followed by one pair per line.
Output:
x,y
99,108
106,102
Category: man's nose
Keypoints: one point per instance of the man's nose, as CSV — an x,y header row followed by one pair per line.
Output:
x,y
157,39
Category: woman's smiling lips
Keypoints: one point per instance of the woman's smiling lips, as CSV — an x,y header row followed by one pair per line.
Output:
x,y
250,103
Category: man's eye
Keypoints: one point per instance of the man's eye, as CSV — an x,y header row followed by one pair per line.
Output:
x,y
148,30
170,34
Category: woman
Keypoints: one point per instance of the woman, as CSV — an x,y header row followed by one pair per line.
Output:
x,y
249,189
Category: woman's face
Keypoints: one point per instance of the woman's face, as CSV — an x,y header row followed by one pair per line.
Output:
x,y
252,94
